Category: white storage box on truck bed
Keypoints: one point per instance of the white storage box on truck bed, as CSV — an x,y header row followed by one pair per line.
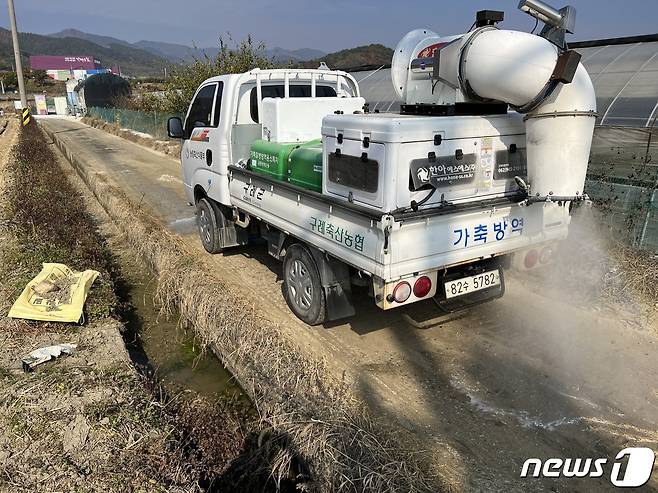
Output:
x,y
300,119
463,157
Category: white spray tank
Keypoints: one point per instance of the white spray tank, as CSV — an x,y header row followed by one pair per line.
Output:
x,y
536,75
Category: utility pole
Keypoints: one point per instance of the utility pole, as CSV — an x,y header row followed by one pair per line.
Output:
x,y
17,54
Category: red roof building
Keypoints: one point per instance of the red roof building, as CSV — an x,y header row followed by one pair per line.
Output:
x,y
67,62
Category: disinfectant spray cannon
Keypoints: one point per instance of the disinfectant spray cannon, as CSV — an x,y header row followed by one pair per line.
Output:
x,y
536,75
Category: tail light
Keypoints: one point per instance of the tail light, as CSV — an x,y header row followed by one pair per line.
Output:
x,y
422,286
402,291
531,258
546,255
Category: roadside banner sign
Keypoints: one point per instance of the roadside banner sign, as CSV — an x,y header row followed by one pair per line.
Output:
x,y
40,102
61,105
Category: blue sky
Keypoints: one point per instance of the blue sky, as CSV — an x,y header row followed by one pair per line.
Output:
x,y
328,26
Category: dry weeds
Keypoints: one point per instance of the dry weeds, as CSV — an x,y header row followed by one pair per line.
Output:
x,y
86,421
45,215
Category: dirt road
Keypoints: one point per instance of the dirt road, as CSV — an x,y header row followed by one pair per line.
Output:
x,y
529,375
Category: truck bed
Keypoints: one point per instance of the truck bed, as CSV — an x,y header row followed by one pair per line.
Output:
x,y
393,245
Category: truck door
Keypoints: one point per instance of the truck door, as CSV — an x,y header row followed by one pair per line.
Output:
x,y
201,131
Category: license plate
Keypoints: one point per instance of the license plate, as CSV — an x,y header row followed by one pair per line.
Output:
x,y
467,285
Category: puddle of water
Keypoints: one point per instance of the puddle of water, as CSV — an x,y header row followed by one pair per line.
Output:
x,y
523,417
171,350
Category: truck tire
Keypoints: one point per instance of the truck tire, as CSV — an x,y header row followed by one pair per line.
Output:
x,y
302,287
208,225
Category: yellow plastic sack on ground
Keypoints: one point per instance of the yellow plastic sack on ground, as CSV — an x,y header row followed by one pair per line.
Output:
x,y
56,294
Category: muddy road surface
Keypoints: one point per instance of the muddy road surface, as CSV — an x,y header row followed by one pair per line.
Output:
x,y
530,375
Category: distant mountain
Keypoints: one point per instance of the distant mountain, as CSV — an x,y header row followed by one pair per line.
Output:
x,y
133,61
105,41
150,57
178,53
374,54
175,53
307,54
281,55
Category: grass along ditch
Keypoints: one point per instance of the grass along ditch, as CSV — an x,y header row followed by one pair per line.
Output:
x,y
91,421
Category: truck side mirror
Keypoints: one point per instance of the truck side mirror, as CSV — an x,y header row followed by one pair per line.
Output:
x,y
175,128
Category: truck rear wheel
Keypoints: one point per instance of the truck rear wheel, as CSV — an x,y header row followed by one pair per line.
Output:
x,y
302,287
208,225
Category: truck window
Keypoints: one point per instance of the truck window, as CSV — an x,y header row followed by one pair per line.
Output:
x,y
296,91
354,172
201,109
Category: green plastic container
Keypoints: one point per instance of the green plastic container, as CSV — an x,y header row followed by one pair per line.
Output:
x,y
305,166
270,158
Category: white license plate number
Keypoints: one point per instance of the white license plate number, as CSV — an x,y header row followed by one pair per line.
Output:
x,y
466,285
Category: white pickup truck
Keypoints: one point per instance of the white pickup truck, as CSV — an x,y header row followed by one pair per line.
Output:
x,y
488,152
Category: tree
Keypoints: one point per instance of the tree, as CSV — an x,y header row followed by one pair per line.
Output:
x,y
102,90
184,80
9,79
39,76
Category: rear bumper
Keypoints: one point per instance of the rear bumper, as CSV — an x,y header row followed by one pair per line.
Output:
x,y
383,290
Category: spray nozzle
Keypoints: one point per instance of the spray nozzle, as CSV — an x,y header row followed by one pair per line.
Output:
x,y
523,186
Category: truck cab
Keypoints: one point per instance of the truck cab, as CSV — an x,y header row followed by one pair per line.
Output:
x,y
224,118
